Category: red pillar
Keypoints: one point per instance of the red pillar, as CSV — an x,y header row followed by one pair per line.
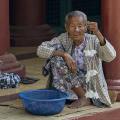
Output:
x,y
111,29
4,26
29,28
29,12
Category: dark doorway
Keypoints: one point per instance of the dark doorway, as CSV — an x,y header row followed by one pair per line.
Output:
x,y
91,7
57,9
55,14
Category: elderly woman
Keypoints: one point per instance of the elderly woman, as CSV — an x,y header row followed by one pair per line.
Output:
x,y
75,61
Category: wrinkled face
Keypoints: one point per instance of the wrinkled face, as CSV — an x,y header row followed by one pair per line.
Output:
x,y
76,27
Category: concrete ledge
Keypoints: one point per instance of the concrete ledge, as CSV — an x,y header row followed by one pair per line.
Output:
x,y
8,97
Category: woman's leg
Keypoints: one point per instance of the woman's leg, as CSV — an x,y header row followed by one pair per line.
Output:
x,y
64,80
82,100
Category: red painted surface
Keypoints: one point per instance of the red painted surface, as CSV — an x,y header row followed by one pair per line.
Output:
x,y
4,26
111,27
29,12
29,16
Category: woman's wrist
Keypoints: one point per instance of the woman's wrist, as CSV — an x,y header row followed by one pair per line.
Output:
x,y
59,53
103,42
64,55
101,38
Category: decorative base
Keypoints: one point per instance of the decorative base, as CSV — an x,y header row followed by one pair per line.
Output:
x,y
8,63
115,86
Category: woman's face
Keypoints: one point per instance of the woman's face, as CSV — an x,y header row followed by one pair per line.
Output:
x,y
76,28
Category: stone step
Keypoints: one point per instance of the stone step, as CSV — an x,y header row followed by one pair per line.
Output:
x,y
22,53
10,97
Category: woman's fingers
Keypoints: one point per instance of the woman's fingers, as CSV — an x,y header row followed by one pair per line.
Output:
x,y
73,66
92,26
71,63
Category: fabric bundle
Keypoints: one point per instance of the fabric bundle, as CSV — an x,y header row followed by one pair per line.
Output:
x,y
9,80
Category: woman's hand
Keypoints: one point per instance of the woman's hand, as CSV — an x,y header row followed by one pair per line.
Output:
x,y
68,59
93,27
70,62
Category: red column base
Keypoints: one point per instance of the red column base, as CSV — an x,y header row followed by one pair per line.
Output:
x,y
9,63
114,85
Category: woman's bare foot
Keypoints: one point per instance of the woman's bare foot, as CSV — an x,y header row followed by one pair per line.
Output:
x,y
80,103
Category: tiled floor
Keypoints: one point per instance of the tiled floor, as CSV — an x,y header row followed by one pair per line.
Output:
x,y
13,110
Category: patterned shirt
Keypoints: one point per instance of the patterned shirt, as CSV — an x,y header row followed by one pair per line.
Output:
x,y
78,56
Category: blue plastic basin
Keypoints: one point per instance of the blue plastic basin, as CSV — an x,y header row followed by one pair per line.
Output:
x,y
43,102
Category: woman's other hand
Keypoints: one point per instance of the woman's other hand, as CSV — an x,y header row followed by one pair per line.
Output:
x,y
92,27
70,62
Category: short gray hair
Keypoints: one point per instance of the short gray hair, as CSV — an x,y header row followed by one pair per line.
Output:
x,y
75,14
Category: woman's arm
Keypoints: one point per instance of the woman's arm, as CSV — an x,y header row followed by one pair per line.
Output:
x,y
107,52
47,48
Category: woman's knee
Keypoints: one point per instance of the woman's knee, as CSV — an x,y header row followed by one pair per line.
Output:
x,y
58,61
